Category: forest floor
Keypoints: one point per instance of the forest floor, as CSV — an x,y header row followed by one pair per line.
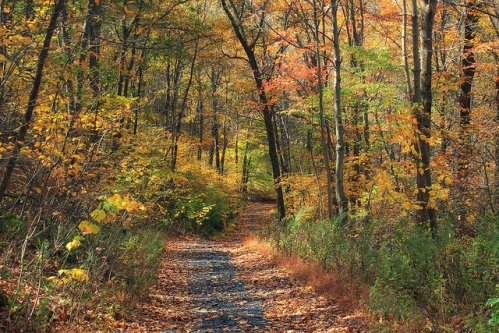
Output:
x,y
224,285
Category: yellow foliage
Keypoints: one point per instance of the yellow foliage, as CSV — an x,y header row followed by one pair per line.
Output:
x,y
88,227
125,203
69,275
74,243
98,215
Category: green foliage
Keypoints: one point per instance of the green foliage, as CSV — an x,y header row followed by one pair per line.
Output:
x,y
412,276
203,212
140,256
9,223
493,303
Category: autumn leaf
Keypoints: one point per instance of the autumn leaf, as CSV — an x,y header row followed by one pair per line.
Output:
x,y
75,274
98,215
88,227
74,243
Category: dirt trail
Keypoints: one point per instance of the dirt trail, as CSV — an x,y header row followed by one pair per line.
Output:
x,y
220,286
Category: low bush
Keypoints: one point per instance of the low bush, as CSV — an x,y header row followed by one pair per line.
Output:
x,y
413,277
67,271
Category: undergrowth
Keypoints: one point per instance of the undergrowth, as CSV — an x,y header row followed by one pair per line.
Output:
x,y
91,256
446,283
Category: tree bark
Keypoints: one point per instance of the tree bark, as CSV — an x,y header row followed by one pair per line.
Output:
x,y
468,72
428,213
341,197
324,138
404,50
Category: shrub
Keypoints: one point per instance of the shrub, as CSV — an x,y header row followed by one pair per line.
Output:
x,y
413,276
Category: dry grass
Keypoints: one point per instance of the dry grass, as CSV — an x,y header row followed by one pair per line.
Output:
x,y
329,284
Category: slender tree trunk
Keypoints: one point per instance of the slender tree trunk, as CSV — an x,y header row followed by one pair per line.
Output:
x,y
341,197
354,12
215,82
246,164
94,30
281,127
496,81
66,42
468,72
404,50
245,172
224,144
200,112
183,108
236,140
428,213
139,96
33,96
324,138
416,106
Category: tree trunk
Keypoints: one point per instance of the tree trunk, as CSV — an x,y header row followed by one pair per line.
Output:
x,y
468,68
264,101
183,108
324,138
427,213
224,144
496,137
341,197
215,82
404,50
33,96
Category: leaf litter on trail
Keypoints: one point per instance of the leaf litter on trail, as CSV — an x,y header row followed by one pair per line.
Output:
x,y
221,286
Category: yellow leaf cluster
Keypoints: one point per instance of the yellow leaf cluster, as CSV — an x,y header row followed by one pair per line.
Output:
x,y
88,227
69,275
125,203
74,243
98,215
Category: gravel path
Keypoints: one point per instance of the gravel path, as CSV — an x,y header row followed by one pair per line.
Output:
x,y
218,297
221,286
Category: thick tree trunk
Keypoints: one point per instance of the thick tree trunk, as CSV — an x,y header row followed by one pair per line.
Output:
x,y
33,96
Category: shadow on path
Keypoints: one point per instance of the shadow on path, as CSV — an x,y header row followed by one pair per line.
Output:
x,y
218,298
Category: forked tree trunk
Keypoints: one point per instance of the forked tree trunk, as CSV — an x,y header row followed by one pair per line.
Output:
x,y
235,20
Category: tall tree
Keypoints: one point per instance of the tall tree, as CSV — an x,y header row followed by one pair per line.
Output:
x,y
237,12
423,115
341,197
319,8
468,64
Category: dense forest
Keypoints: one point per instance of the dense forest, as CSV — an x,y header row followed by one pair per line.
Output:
x,y
372,124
